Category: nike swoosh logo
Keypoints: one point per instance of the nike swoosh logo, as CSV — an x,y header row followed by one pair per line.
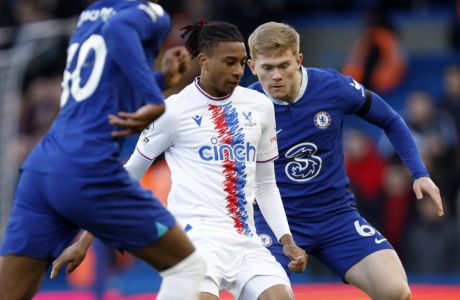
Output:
x,y
379,241
278,131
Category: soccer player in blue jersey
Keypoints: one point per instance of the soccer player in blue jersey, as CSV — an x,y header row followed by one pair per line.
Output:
x,y
74,177
310,105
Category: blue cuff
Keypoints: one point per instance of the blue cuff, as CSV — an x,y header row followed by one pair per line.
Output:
x,y
160,80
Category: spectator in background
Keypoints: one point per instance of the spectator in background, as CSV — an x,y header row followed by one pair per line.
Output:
x,y
396,197
366,169
376,58
425,120
431,243
450,103
451,99
455,29
434,131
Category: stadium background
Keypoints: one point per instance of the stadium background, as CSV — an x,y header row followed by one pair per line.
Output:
x,y
419,42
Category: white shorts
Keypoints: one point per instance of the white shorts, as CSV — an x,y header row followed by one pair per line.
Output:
x,y
236,263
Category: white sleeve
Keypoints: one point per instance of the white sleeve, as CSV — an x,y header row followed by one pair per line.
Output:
x,y
268,147
137,165
153,141
269,199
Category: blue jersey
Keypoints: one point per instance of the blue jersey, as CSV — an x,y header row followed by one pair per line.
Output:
x,y
310,171
108,70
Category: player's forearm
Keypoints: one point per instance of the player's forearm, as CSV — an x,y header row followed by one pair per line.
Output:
x,y
401,139
137,165
269,200
86,239
382,115
286,240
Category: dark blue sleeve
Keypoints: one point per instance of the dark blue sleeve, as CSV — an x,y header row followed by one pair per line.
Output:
x,y
160,80
352,93
123,35
379,113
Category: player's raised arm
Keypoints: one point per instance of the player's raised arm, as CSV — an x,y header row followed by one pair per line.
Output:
x,y
124,34
376,111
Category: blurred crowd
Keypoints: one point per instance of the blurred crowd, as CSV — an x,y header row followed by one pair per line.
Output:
x,y
382,184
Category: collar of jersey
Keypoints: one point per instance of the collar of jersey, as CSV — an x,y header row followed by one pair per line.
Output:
x,y
303,87
214,100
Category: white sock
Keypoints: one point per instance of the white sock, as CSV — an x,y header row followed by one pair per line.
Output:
x,y
183,281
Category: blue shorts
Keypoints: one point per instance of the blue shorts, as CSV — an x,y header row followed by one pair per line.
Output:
x,y
340,241
49,210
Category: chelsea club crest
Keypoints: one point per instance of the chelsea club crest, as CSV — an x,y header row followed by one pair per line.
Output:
x,y
266,240
322,120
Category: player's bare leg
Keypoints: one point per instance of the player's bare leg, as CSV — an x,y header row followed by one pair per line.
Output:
x,y
179,264
169,250
20,276
277,292
381,276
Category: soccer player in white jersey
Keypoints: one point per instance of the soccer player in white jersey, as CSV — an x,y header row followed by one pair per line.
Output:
x,y
310,105
220,143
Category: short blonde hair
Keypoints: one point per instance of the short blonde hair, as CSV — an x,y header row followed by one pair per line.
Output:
x,y
273,36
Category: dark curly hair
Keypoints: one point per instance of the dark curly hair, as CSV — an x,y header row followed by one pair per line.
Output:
x,y
205,35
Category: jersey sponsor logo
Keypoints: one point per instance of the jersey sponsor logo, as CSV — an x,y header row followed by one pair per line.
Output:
x,y
197,119
238,152
322,120
304,165
248,119
266,240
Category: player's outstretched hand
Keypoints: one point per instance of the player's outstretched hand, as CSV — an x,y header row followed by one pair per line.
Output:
x,y
175,62
137,121
424,185
72,255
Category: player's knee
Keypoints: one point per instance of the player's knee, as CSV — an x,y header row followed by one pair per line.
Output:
x,y
183,281
398,292
192,266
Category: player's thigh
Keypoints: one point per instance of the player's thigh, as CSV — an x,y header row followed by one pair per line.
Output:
x,y
170,249
381,275
266,288
346,239
114,208
20,276
34,227
260,272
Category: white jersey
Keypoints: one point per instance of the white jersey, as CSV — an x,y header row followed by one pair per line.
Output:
x,y
211,146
